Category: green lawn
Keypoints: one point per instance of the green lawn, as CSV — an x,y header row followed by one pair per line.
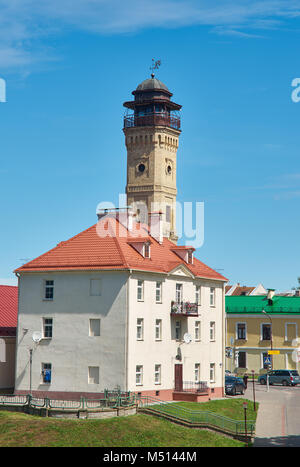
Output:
x,y
141,430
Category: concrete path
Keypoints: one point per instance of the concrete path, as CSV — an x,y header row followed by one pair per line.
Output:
x,y
278,419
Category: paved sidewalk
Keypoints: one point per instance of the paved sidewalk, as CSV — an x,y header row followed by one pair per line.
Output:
x,y
278,418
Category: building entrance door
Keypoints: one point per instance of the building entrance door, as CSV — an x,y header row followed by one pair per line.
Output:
x,y
178,377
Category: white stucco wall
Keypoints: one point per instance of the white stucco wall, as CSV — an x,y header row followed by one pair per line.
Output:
x,y
71,350
149,352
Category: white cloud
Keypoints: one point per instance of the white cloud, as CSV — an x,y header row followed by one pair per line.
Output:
x,y
24,23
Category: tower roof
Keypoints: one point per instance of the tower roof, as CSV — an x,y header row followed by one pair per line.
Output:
x,y
152,83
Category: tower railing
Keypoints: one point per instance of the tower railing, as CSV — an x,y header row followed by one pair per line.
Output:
x,y
151,119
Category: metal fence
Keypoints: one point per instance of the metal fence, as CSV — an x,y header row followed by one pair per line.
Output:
x,y
201,418
111,399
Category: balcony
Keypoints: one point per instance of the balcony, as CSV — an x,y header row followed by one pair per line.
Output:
x,y
184,309
152,119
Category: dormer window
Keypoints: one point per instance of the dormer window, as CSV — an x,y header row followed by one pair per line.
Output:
x,y
141,245
190,257
147,250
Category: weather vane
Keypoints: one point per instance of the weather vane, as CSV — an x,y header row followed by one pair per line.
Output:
x,y
155,66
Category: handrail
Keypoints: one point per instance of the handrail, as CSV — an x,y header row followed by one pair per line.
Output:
x,y
211,419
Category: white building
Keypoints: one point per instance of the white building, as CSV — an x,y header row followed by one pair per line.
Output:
x,y
103,306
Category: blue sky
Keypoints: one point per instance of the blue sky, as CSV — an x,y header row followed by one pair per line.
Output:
x,y
69,66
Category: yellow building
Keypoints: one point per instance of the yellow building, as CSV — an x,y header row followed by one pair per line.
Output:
x,y
262,328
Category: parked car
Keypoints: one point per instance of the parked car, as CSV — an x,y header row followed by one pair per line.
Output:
x,y
233,385
284,377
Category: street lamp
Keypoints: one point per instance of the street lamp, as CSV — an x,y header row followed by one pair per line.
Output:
x,y
271,336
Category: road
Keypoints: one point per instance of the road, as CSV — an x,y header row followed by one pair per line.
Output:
x,y
278,420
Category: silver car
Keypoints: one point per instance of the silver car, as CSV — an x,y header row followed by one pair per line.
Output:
x,y
284,377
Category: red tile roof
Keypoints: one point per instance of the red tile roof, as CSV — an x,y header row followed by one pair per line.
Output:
x,y
8,310
105,246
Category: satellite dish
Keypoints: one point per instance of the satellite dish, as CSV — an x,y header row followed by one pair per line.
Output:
x,y
37,336
187,338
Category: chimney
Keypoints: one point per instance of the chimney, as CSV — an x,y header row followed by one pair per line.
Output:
x,y
155,224
270,295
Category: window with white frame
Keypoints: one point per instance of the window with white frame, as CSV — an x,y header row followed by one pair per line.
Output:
x,y
157,374
178,330
158,292
266,332
46,373
47,328
139,375
140,290
95,287
140,329
197,331
197,372
212,372
158,329
291,332
212,296
93,375
49,290
241,331
94,327
198,295
178,293
212,331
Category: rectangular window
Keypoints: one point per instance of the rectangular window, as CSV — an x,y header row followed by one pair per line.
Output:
x,y
266,332
139,375
93,375
178,330
140,291
158,294
94,328
158,328
139,329
198,295
147,250
95,287
212,372
197,372
46,373
197,331
190,257
290,331
178,293
212,331
49,290
241,331
47,327
242,359
157,375
212,296
168,213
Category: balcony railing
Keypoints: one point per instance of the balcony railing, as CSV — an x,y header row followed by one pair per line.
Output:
x,y
184,308
152,119
191,386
